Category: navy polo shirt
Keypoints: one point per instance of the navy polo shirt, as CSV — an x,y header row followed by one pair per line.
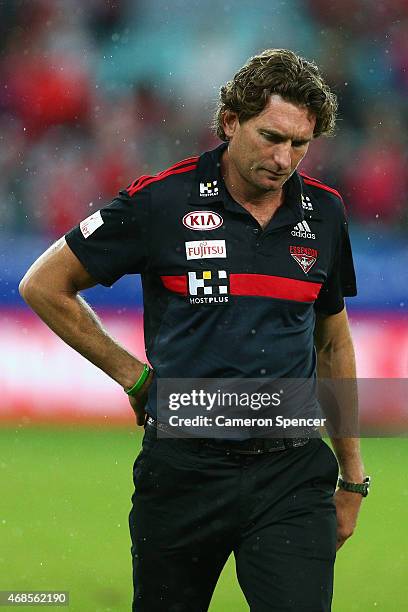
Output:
x,y
222,296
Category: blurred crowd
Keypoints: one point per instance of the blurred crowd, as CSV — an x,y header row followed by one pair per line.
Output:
x,y
93,94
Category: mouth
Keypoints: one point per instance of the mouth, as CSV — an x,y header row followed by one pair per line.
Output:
x,y
275,174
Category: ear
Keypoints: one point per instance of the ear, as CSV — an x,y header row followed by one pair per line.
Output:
x,y
230,123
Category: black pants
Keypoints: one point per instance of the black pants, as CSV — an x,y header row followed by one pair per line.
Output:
x,y
194,505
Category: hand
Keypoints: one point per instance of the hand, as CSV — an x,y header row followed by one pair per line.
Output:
x,y
138,402
347,509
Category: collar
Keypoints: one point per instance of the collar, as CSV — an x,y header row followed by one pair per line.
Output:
x,y
209,189
209,186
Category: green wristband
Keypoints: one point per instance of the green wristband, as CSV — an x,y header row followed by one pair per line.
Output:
x,y
140,381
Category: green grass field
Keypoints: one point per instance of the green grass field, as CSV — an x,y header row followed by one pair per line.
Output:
x,y
65,498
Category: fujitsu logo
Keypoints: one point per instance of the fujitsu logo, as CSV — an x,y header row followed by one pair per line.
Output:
x,y
205,249
302,230
200,220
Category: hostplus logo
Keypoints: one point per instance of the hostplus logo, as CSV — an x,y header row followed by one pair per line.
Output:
x,y
302,230
208,287
306,203
208,189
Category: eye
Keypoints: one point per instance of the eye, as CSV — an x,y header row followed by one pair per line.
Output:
x,y
270,137
298,143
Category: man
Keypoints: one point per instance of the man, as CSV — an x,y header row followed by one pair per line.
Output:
x,y
242,259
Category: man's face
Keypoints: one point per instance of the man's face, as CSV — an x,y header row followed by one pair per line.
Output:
x,y
266,149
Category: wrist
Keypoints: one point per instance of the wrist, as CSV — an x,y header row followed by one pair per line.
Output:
x,y
130,374
360,488
352,475
135,388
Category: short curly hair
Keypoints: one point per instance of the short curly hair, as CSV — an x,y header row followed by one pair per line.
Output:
x,y
283,72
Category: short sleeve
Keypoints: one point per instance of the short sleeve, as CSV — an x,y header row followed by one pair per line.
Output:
x,y
114,240
341,281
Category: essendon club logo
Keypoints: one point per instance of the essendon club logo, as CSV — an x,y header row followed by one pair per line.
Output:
x,y
200,220
305,257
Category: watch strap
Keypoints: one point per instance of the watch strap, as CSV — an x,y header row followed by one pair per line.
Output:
x,y
355,487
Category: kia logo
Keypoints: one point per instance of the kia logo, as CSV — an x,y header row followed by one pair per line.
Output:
x,y
202,220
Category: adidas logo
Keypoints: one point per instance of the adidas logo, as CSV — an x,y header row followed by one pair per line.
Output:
x,y
302,230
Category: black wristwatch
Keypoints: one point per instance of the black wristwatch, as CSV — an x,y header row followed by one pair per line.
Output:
x,y
356,487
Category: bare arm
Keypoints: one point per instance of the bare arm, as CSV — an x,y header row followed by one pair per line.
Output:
x,y
50,287
336,360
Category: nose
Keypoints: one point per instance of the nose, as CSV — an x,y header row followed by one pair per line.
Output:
x,y
281,156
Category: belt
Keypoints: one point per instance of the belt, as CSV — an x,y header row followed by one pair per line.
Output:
x,y
251,446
